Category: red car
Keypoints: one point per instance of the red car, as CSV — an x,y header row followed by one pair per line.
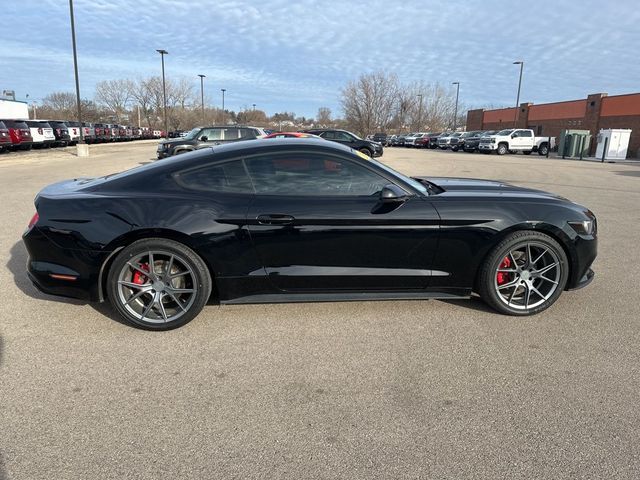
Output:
x,y
291,135
5,137
422,142
20,134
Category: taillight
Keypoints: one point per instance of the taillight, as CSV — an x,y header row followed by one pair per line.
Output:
x,y
33,220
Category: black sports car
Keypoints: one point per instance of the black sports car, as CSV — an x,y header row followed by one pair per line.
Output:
x,y
300,220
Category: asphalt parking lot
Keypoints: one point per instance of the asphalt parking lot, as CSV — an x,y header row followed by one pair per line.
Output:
x,y
362,390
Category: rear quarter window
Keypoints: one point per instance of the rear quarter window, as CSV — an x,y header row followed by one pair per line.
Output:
x,y
230,177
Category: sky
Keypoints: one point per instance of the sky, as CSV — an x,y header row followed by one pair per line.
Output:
x,y
286,55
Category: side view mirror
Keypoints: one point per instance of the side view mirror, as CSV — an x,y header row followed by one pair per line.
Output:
x,y
392,193
204,138
513,135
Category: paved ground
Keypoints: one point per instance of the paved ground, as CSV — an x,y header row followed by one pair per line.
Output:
x,y
344,390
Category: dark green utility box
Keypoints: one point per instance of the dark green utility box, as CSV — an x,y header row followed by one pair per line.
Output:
x,y
574,143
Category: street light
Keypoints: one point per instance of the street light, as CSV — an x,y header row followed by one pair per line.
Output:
x,y
254,107
515,118
223,115
455,115
202,94
164,93
81,149
420,111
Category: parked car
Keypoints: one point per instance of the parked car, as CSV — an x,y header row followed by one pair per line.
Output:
x,y
74,132
444,140
61,132
368,147
381,138
203,137
410,140
471,143
457,143
433,139
5,137
423,141
400,139
89,132
516,140
301,220
391,140
42,133
20,134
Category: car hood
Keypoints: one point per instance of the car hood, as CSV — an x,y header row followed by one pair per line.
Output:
x,y
480,187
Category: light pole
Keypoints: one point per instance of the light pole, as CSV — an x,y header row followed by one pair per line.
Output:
x,y
420,111
223,115
202,95
164,93
455,115
81,149
515,118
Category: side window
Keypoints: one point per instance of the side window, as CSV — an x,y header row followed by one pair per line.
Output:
x,y
343,137
328,135
231,134
246,133
309,174
525,133
228,177
212,134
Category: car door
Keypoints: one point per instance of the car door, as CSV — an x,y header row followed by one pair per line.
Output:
x,y
318,224
526,140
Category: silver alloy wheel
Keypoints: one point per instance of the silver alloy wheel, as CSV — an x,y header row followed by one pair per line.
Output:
x,y
157,286
527,276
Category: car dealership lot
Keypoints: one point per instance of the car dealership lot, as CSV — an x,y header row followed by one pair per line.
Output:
x,y
403,389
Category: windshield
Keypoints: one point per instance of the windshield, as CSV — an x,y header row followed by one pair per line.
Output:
x,y
192,134
414,183
505,132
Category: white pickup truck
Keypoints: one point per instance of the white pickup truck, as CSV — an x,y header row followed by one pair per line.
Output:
x,y
516,140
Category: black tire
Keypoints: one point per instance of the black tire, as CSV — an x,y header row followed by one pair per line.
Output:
x,y
366,151
454,149
527,152
162,287
543,149
502,149
490,283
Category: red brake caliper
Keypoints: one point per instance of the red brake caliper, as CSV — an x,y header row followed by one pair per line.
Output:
x,y
138,277
504,277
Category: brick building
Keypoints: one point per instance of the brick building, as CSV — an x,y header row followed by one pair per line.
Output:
x,y
593,113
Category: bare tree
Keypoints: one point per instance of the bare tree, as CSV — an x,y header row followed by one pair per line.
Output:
x,y
368,102
115,95
324,117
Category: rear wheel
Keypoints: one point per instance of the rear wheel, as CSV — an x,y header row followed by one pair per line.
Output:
x,y
158,284
525,274
543,149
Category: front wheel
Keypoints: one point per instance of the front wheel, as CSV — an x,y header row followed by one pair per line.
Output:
x,y
158,284
366,151
524,274
502,149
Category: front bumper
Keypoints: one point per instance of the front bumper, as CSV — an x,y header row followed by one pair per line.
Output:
x,y
488,146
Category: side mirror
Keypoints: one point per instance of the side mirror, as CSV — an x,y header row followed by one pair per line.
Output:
x,y
204,138
513,135
392,193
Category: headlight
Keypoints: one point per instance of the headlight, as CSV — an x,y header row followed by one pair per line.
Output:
x,y
585,227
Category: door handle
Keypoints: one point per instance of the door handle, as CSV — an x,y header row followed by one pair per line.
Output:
x,y
275,219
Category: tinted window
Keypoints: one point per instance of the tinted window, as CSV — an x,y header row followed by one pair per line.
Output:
x,y
15,124
227,177
525,133
248,133
308,174
343,137
2,125
231,133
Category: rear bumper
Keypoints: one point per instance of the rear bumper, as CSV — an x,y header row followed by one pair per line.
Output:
x,y
63,272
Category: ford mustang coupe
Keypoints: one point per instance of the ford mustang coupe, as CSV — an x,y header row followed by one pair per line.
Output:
x,y
300,220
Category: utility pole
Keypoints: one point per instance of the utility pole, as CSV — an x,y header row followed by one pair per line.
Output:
x,y
164,93
455,115
202,96
223,112
515,117
420,111
82,151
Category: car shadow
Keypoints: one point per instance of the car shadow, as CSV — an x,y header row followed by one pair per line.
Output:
x,y
473,303
629,173
17,266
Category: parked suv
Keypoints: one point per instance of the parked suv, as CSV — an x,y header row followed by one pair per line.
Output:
x,y
61,132
74,132
42,133
472,143
368,147
202,137
5,137
20,134
381,138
